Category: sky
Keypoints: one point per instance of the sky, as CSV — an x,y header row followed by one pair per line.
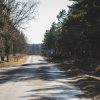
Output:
x,y
47,11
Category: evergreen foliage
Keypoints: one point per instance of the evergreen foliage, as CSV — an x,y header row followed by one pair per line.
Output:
x,y
77,34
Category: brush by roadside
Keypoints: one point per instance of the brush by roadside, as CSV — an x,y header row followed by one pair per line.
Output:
x,y
14,61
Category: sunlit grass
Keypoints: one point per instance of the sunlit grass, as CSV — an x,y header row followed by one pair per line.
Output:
x,y
21,59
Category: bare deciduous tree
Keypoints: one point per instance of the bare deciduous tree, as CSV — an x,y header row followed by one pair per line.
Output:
x,y
21,11
15,13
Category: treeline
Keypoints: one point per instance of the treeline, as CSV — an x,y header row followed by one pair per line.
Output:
x,y
76,35
13,14
34,49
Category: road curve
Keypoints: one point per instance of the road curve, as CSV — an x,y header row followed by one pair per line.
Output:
x,y
37,80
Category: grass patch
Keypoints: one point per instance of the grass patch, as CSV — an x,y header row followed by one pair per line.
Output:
x,y
21,59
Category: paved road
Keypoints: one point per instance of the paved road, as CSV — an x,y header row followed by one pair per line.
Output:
x,y
37,80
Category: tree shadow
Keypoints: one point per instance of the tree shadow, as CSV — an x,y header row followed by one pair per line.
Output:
x,y
31,72
89,85
29,64
58,92
47,73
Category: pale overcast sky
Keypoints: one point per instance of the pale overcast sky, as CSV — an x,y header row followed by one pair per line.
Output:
x,y
46,15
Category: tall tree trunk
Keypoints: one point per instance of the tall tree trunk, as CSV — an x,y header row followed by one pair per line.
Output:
x,y
7,58
2,58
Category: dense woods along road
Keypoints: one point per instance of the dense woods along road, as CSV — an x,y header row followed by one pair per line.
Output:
x,y
37,80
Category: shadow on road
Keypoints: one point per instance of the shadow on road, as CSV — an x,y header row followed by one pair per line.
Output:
x,y
32,72
29,64
50,73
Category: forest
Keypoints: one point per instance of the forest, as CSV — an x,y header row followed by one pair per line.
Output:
x,y
76,35
66,66
13,15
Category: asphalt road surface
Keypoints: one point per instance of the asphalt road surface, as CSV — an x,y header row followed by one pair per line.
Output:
x,y
37,79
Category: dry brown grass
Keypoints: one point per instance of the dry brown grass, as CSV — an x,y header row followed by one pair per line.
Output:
x,y
21,59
